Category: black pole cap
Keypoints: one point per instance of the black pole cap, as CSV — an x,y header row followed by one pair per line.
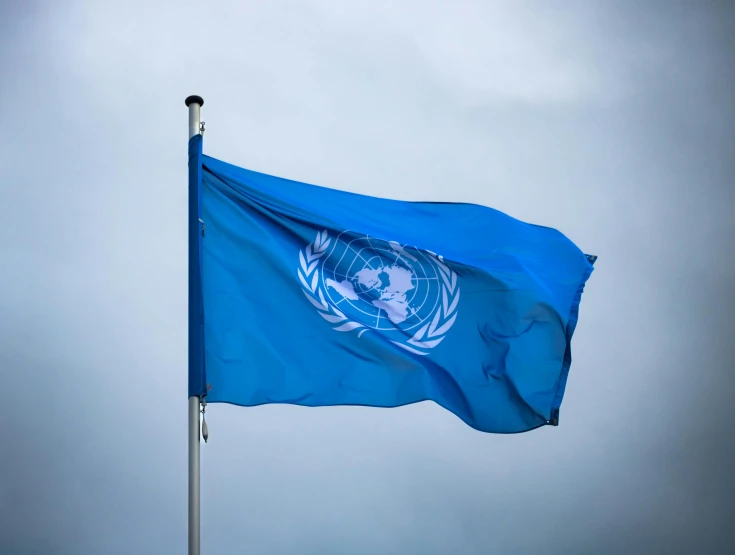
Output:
x,y
194,99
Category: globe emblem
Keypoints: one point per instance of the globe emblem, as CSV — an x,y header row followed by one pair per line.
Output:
x,y
381,284
359,283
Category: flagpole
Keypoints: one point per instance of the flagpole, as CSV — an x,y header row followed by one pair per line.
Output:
x,y
194,103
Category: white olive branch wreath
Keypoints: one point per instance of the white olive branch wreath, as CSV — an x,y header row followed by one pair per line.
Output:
x,y
426,338
309,278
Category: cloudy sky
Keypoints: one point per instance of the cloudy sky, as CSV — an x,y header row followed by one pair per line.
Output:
x,y
611,121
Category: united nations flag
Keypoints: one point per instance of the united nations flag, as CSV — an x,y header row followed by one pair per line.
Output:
x,y
316,297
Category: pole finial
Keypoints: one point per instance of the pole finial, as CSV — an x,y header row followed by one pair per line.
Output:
x,y
194,99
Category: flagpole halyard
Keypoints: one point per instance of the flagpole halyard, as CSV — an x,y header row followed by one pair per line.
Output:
x,y
194,103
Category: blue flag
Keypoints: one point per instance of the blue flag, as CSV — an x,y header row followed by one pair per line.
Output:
x,y
315,297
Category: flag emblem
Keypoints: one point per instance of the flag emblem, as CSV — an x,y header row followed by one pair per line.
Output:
x,y
361,284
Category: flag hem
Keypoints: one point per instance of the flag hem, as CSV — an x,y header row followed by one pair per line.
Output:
x,y
196,361
571,325
298,404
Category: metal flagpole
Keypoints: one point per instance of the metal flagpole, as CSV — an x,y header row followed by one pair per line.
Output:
x,y
193,475
194,104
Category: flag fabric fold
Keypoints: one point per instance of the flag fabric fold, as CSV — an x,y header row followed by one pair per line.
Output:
x,y
317,297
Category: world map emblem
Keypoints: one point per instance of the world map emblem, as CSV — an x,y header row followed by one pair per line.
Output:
x,y
362,284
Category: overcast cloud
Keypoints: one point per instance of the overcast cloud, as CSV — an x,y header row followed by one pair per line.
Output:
x,y
611,121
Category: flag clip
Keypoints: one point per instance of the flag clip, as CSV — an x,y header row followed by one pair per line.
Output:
x,y
205,429
554,420
201,127
202,222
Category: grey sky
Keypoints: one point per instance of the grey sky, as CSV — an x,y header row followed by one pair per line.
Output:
x,y
611,121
